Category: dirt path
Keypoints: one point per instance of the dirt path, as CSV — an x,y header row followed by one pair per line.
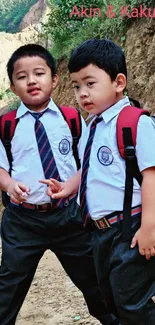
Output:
x,y
53,299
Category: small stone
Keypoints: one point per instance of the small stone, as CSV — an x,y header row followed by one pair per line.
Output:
x,y
76,318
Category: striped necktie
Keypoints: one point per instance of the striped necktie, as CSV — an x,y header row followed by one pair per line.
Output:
x,y
46,154
84,173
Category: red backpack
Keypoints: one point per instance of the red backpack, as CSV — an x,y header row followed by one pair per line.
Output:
x,y
126,132
8,123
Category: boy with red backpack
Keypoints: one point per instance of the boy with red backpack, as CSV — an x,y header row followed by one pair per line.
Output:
x,y
39,140
117,190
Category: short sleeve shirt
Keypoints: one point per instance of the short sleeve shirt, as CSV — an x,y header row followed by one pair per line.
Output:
x,y
106,174
26,165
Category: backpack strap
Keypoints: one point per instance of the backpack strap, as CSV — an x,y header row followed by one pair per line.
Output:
x,y
128,118
73,118
8,123
126,131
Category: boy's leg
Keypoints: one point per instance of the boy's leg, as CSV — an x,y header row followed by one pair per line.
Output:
x,y
21,252
102,241
133,283
13,289
131,277
74,250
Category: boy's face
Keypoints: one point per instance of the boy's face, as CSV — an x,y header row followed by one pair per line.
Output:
x,y
94,90
33,82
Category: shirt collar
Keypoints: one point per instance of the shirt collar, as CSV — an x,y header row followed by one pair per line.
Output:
x,y
114,110
22,110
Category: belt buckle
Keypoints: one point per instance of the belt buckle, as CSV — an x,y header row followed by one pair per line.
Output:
x,y
103,223
44,207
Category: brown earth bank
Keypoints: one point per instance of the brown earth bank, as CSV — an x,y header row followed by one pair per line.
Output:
x,y
140,57
35,14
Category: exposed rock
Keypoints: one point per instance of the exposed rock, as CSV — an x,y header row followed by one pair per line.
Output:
x,y
140,55
35,14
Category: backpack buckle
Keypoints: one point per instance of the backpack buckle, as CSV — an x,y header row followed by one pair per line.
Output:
x,y
129,152
75,141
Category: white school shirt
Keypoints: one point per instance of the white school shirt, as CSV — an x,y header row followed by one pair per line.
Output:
x,y
26,165
106,173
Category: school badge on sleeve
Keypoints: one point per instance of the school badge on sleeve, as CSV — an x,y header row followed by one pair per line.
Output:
x,y
105,156
64,146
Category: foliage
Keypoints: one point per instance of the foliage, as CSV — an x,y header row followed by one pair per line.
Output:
x,y
12,100
68,32
1,94
13,104
12,12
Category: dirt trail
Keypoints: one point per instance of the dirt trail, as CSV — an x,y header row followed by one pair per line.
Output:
x,y
53,299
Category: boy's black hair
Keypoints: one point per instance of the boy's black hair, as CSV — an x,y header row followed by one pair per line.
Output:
x,y
31,50
103,53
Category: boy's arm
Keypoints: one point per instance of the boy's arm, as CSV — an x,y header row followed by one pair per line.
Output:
x,y
14,189
72,184
5,180
148,198
59,190
145,236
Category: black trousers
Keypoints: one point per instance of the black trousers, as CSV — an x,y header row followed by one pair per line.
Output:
x,y
125,277
26,235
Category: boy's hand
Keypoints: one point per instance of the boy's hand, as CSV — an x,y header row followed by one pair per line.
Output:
x,y
57,190
18,192
145,238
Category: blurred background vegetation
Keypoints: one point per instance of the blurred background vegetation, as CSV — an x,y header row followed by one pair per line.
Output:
x,y
12,12
65,32
68,32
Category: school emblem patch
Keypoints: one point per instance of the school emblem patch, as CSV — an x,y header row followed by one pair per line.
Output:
x,y
64,146
105,156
